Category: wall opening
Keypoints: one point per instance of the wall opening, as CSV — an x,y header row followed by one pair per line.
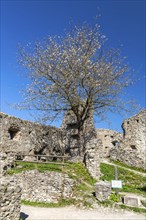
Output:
x,y
133,147
115,143
13,132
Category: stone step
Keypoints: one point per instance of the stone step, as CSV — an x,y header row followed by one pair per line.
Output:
x,y
132,201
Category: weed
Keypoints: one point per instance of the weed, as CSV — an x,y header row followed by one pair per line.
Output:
x,y
143,202
135,209
115,198
61,203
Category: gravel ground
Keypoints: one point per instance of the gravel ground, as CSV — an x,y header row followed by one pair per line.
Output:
x,y
73,213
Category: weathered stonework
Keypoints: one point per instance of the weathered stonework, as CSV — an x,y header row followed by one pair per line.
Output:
x,y
109,139
88,149
6,162
92,157
77,142
102,190
46,186
24,137
132,148
10,196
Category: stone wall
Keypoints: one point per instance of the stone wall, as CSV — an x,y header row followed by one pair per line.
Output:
x,y
77,142
46,186
6,162
10,196
132,148
86,147
26,137
93,157
109,139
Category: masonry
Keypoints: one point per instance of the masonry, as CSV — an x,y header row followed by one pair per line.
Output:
x,y
29,138
10,196
45,187
24,137
132,148
109,139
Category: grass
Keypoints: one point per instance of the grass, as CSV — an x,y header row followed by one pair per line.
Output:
x,y
128,166
132,182
143,203
24,166
135,209
106,203
79,172
82,190
61,203
74,170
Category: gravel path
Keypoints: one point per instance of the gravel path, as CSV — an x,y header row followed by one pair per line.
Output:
x,y
73,213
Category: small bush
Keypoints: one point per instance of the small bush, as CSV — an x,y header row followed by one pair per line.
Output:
x,y
115,198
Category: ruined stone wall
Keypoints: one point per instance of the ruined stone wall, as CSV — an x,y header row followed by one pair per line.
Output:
x,y
10,196
109,139
6,162
93,157
46,186
89,147
132,148
77,144
26,137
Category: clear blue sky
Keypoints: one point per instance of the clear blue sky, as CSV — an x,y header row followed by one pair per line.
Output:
x,y
123,22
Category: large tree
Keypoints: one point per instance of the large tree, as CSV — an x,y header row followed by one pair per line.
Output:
x,y
74,72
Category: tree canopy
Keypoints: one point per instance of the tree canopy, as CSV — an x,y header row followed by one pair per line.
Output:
x,y
74,72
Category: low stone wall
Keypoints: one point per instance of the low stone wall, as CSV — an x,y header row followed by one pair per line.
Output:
x,y
10,196
46,186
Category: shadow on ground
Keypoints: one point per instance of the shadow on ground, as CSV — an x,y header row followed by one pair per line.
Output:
x,y
23,216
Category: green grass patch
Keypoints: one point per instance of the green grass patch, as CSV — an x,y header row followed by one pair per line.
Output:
x,y
79,172
143,202
128,166
106,203
24,166
82,187
132,182
74,170
135,209
61,203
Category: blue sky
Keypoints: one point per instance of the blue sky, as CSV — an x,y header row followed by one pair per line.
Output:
x,y
123,22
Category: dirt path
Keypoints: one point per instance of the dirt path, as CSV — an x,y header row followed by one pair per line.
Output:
x,y
73,213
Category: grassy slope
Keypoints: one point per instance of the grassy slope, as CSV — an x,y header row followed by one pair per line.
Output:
x,y
83,190
127,166
132,182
